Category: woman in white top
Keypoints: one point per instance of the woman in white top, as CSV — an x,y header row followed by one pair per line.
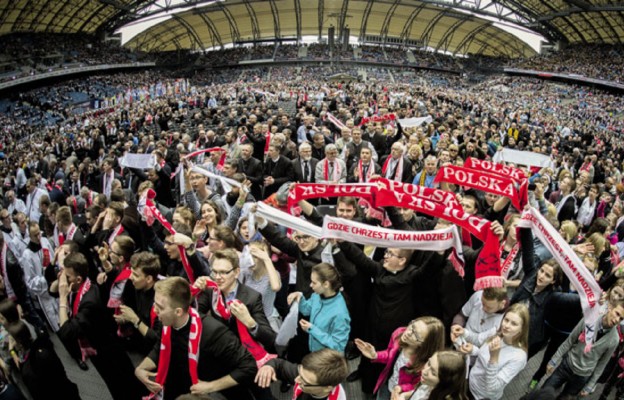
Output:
x,y
502,357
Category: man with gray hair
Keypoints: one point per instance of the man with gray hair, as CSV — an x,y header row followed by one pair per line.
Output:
x,y
305,165
396,166
331,169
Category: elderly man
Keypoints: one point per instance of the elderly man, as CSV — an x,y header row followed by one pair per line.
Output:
x,y
427,175
331,169
396,166
304,166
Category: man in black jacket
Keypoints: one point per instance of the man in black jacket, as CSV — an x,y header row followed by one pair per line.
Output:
x,y
277,171
252,168
248,309
223,365
90,324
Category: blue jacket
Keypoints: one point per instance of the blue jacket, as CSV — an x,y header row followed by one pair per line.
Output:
x,y
330,321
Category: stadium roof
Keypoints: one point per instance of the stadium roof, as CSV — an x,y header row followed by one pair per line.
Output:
x,y
468,26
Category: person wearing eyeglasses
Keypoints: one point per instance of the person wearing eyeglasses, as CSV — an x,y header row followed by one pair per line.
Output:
x,y
317,377
225,270
406,355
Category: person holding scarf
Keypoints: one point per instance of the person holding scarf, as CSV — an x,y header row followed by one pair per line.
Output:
x,y
396,166
318,377
426,176
364,169
193,355
84,319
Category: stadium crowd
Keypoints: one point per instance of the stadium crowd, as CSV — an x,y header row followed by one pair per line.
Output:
x,y
120,235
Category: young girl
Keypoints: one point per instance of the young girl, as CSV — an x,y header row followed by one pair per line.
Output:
x,y
502,357
264,279
329,323
443,377
409,349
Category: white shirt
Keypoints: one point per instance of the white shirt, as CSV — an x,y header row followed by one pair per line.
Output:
x,y
32,204
488,381
17,205
480,325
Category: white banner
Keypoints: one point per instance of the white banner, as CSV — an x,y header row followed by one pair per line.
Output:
x,y
580,277
138,161
523,158
410,122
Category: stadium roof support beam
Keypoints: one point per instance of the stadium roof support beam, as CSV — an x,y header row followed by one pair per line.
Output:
x,y
365,15
234,31
71,18
343,17
426,36
96,13
255,31
321,15
276,21
467,40
448,35
386,24
191,31
214,33
407,28
575,10
548,30
298,18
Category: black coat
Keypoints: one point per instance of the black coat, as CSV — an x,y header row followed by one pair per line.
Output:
x,y
281,171
220,354
253,301
407,175
298,170
253,170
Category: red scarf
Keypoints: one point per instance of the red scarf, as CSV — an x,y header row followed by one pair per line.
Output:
x,y
369,173
480,180
116,232
336,394
86,350
398,171
220,308
337,171
436,195
154,212
509,261
304,191
267,142
45,257
499,169
165,351
377,118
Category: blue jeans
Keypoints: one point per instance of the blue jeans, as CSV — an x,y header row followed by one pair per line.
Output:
x,y
564,375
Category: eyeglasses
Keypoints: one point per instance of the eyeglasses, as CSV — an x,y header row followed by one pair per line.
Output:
x,y
215,274
303,383
411,331
388,254
453,150
299,238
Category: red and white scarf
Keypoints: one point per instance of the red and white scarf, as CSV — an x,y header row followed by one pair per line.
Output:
x,y
369,172
338,123
337,170
267,142
116,232
377,118
221,161
116,292
86,350
60,237
509,261
164,357
398,170
500,169
150,212
5,275
337,393
481,180
304,191
436,195
580,277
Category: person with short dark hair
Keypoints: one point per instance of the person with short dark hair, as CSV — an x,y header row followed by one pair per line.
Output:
x,y
89,323
193,355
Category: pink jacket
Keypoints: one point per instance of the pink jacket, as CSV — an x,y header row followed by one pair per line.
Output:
x,y
407,380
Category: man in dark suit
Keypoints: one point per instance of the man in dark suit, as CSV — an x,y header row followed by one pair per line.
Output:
x,y
92,326
304,166
105,180
395,169
376,137
277,171
223,365
252,168
248,309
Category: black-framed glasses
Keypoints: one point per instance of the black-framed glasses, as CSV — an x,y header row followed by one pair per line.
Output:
x,y
215,274
298,238
411,331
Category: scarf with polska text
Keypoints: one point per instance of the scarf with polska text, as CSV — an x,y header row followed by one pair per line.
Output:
x,y
487,268
305,191
481,180
436,195
499,169
580,277
165,353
